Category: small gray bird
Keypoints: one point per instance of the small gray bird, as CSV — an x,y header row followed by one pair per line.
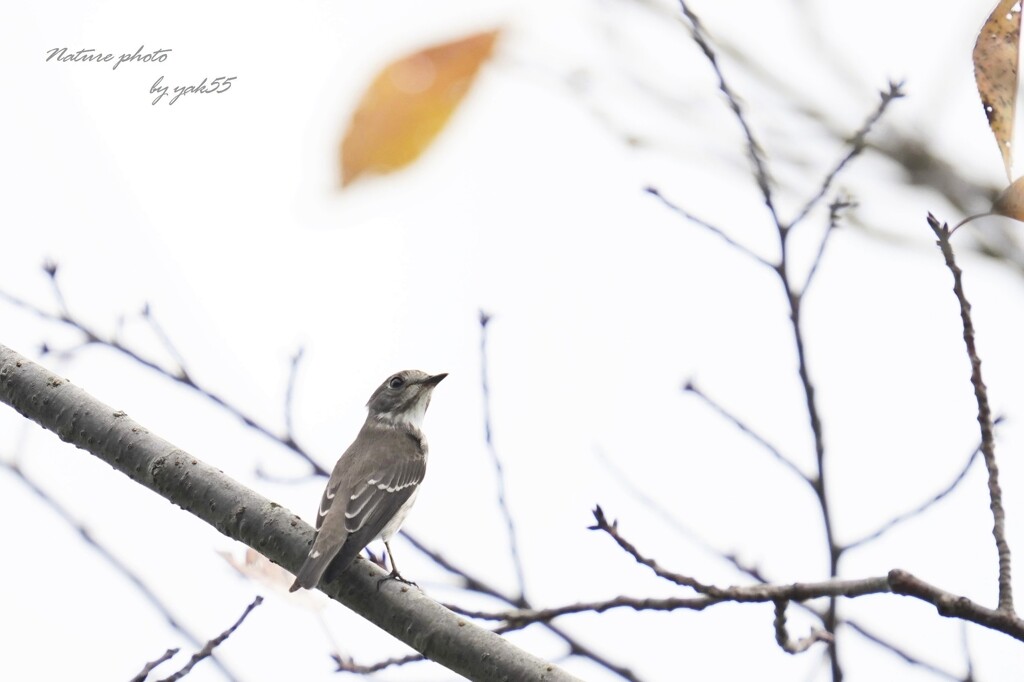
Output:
x,y
375,482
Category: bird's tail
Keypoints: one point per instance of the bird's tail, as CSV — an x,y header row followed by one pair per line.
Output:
x,y
312,569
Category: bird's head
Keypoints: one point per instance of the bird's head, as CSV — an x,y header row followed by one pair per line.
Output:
x,y
403,397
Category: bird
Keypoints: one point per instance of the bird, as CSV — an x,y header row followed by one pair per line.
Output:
x,y
375,482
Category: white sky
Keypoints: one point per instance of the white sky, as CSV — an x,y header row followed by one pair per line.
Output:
x,y
223,212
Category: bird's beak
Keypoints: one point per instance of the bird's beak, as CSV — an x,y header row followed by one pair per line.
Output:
x,y
435,380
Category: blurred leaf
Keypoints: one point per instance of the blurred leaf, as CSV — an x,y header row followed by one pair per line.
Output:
x,y
995,70
263,571
1011,202
408,104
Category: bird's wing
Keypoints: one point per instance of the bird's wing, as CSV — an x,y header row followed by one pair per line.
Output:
x,y
378,497
363,494
379,490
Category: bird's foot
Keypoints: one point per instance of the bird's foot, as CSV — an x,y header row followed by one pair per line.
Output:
x,y
395,575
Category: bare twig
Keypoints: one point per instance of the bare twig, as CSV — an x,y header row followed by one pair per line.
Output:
x,y
900,653
743,594
612,528
690,387
988,448
180,377
921,508
756,574
212,644
856,145
475,584
760,592
165,340
118,565
499,471
753,148
782,633
289,398
149,667
710,228
834,210
347,665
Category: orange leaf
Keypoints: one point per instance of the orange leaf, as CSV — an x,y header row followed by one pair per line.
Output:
x,y
995,70
408,104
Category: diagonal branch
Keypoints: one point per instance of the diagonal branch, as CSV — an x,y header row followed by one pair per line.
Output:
x,y
576,648
181,376
753,148
244,515
713,229
127,573
208,648
857,143
920,509
690,387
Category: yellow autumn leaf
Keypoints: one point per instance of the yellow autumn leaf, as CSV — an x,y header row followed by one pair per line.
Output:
x,y
408,104
995,70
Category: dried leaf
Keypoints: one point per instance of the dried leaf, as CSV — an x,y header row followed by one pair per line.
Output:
x,y
995,70
262,570
1011,202
408,104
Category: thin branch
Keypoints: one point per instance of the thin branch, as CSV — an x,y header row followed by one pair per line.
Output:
x,y
756,574
181,377
134,579
760,592
819,481
212,644
721,234
347,665
165,341
753,148
834,210
690,387
901,653
50,267
742,594
499,470
965,642
289,397
612,528
988,448
857,144
783,639
149,667
921,508
576,648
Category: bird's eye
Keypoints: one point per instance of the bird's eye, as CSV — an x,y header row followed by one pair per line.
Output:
x,y
396,382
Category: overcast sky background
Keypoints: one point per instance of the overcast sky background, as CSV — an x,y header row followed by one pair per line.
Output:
x,y
223,213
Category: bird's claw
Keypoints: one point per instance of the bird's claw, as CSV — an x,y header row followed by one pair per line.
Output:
x,y
395,575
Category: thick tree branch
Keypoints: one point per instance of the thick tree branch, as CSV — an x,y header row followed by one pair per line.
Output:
x,y
244,515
